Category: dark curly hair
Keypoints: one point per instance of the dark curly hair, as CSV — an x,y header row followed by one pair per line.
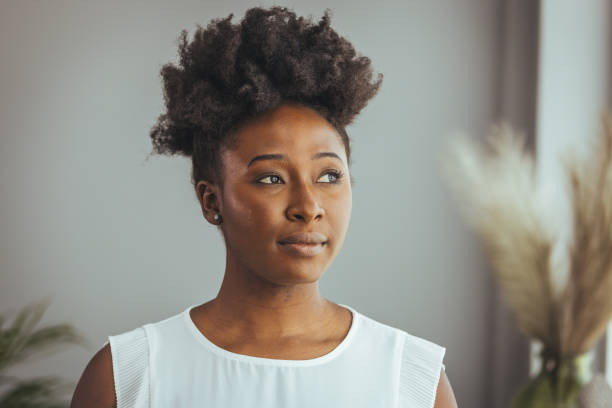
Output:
x,y
231,73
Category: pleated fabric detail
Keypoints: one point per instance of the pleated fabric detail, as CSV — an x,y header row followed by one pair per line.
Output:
x,y
130,353
420,372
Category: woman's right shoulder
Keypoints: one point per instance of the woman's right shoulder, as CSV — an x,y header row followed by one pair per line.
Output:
x,y
118,374
96,386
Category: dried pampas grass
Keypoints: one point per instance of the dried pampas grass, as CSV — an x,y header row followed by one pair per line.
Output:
x,y
499,193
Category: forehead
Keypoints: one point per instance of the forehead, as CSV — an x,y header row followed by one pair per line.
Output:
x,y
294,130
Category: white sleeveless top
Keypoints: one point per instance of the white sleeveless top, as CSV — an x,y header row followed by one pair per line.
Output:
x,y
172,364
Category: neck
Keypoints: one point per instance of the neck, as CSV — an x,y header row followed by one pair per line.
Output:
x,y
250,304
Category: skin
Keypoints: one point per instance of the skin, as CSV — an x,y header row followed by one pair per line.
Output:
x,y
269,304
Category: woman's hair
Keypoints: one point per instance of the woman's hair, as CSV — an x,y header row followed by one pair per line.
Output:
x,y
231,73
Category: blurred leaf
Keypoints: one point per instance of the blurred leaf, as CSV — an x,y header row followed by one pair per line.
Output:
x,y
36,393
20,341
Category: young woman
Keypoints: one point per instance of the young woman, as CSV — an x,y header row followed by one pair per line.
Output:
x,y
261,108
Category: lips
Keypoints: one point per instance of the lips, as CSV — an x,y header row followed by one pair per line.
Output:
x,y
303,244
303,238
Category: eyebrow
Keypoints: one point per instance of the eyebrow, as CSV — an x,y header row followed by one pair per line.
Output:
x,y
284,158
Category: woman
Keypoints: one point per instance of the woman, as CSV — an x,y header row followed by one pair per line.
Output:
x,y
261,108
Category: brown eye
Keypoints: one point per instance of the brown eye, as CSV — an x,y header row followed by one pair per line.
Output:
x,y
273,179
331,176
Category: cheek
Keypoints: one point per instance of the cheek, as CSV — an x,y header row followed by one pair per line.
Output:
x,y
248,213
341,208
349,210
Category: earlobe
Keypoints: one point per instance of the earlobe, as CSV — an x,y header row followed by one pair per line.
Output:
x,y
208,197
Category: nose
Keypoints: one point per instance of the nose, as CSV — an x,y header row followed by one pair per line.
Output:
x,y
304,205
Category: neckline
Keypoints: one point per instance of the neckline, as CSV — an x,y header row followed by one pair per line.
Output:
x,y
199,336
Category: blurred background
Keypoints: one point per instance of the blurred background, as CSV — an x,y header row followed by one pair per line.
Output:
x,y
117,241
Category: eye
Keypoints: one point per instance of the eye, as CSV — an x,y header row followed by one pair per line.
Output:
x,y
332,177
273,179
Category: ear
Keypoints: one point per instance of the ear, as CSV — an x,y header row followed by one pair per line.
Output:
x,y
208,195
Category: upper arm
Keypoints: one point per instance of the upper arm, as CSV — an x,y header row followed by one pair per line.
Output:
x,y
445,398
96,388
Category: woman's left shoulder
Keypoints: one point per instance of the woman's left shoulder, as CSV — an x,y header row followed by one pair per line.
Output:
x,y
421,350
422,372
445,397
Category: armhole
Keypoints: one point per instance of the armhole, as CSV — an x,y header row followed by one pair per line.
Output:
x,y
130,357
420,372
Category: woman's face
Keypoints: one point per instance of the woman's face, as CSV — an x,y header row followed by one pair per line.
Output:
x,y
286,198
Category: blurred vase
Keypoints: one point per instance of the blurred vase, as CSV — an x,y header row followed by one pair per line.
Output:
x,y
557,385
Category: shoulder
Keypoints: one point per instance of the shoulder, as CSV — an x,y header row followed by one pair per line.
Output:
x,y
96,385
445,397
118,374
423,381
422,373
420,348
370,326
119,371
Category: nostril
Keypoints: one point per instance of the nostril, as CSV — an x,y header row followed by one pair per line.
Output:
x,y
303,216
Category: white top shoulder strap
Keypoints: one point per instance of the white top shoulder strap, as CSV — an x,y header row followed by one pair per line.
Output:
x,y
130,355
420,372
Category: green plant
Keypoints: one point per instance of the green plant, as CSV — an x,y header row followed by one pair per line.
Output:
x,y
20,342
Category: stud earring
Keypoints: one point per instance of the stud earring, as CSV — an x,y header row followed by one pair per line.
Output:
x,y
216,217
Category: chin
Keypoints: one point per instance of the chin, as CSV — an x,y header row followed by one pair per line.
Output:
x,y
294,276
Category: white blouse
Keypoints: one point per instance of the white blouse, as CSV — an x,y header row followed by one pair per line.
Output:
x,y
172,364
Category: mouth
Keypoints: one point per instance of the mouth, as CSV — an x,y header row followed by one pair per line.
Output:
x,y
303,249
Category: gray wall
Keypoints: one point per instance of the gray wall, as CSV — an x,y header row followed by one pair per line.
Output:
x,y
117,241
518,63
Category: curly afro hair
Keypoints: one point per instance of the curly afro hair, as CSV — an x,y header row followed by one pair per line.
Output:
x,y
230,73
